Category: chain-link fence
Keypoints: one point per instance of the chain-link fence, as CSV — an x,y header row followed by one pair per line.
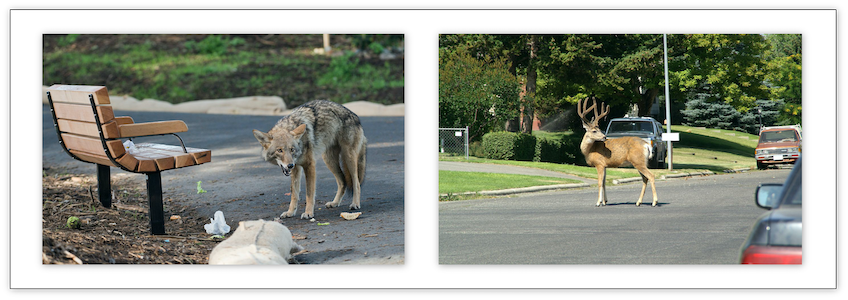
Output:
x,y
453,141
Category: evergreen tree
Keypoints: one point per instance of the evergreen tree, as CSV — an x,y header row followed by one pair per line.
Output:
x,y
701,112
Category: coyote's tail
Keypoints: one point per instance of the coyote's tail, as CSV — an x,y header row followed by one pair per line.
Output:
x,y
361,162
360,171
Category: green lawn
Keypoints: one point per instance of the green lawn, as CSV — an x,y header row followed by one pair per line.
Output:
x,y
452,182
177,68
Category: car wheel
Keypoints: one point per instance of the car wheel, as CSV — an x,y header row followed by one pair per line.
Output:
x,y
761,166
655,162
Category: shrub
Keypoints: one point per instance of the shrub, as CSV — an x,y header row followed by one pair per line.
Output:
x,y
476,149
509,146
565,149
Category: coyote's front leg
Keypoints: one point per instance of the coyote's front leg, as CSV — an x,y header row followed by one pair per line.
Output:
x,y
309,171
295,192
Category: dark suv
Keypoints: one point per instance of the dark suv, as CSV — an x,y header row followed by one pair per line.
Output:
x,y
776,235
645,128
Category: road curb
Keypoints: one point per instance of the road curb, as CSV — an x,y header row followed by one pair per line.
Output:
x,y
530,189
664,177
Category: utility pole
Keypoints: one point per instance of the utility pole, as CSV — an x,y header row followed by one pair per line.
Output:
x,y
667,103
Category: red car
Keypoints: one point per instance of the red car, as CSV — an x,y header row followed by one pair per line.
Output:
x,y
778,145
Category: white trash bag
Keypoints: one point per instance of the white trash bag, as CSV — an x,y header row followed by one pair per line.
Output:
x,y
218,225
129,146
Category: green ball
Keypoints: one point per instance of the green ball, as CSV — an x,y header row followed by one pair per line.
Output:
x,y
74,223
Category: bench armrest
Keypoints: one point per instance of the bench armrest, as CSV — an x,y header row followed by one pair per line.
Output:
x,y
152,128
123,120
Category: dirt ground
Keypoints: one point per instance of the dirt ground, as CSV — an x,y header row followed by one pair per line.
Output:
x,y
121,234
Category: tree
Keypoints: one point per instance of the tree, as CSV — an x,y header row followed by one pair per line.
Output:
x,y
570,69
528,103
730,67
478,93
704,113
638,73
511,47
784,75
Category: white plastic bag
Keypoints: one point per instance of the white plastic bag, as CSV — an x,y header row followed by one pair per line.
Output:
x,y
130,147
218,225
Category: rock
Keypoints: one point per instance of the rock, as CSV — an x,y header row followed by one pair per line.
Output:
x,y
256,242
251,105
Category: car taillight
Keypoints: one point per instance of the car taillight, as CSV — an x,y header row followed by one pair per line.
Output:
x,y
772,255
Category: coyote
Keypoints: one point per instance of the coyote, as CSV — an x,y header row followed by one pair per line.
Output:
x,y
317,128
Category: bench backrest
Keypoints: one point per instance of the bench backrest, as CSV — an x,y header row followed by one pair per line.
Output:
x,y
86,135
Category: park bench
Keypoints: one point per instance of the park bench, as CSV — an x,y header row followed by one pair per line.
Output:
x,y
89,131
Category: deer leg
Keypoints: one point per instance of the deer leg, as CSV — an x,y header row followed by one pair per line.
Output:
x,y
602,174
654,191
647,176
644,185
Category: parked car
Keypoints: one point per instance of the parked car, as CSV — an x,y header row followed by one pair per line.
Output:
x,y
778,145
776,235
645,128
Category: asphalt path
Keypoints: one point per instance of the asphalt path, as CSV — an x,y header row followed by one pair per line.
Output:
x,y
245,187
699,220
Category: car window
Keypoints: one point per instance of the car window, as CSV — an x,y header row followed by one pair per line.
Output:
x,y
630,126
778,136
792,191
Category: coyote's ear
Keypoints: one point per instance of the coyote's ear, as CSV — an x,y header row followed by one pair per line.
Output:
x,y
297,132
263,138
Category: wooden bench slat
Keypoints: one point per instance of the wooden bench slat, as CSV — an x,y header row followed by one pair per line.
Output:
x,y
79,94
201,157
127,161
194,156
110,130
92,145
82,112
93,158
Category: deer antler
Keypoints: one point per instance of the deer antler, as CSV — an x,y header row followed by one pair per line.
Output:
x,y
582,110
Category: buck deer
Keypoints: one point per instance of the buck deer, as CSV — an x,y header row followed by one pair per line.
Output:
x,y
601,152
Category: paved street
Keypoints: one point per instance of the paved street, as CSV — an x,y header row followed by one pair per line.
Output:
x,y
700,220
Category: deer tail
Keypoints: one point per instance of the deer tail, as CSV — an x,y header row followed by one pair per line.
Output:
x,y
649,152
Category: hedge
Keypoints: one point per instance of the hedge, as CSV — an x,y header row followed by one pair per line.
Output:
x,y
521,146
509,145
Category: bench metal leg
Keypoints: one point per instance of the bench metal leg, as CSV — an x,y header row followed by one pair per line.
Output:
x,y
154,195
104,186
